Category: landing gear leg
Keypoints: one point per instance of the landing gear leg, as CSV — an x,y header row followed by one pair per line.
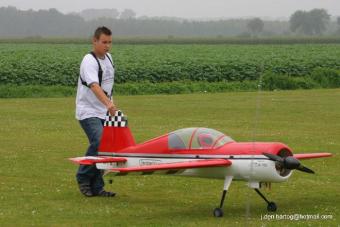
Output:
x,y
271,205
218,212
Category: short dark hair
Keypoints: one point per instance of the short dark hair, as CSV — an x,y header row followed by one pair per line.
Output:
x,y
101,30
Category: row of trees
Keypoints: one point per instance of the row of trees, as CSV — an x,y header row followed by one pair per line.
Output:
x,y
309,22
313,22
52,23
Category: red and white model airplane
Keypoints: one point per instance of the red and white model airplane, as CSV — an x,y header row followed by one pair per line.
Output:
x,y
197,152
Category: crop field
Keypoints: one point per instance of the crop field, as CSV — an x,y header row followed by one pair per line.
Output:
x,y
58,64
37,182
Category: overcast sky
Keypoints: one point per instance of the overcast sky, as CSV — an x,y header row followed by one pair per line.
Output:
x,y
187,8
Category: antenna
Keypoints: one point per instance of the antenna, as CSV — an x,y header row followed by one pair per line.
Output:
x,y
253,135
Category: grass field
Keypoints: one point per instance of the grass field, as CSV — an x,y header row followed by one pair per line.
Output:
x,y
38,185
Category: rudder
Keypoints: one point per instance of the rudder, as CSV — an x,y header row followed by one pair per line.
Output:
x,y
116,133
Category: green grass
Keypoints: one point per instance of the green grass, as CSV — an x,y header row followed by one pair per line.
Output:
x,y
38,185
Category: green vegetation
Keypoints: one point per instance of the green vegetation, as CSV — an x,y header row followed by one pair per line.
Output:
x,y
144,88
38,185
270,81
150,69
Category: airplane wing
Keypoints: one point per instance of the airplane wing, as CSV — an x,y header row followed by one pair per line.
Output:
x,y
312,155
91,160
175,166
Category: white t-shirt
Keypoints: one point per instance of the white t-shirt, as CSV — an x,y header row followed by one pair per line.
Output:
x,y
87,103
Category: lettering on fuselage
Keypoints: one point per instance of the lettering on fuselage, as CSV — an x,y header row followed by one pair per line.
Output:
x,y
147,162
260,163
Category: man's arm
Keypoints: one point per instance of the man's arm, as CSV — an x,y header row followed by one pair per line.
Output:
x,y
98,91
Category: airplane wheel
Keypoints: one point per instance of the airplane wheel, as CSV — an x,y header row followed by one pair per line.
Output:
x,y
271,207
218,212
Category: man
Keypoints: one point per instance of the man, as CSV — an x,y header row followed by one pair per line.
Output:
x,y
92,103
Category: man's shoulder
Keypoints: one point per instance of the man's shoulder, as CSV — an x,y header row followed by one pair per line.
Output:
x,y
89,59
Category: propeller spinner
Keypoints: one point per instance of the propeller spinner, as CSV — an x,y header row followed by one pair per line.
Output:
x,y
288,162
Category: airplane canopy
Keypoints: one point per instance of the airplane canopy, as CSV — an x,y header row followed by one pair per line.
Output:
x,y
197,138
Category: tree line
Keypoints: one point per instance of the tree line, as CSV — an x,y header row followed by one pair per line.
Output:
x,y
52,23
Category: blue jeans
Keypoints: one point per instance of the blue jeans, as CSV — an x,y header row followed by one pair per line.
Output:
x,y
93,128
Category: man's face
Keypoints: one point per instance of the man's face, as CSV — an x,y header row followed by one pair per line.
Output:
x,y
103,44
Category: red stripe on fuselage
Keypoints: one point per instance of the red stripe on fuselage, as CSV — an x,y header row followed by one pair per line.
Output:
x,y
233,148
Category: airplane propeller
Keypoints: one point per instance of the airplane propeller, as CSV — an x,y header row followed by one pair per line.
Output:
x,y
288,162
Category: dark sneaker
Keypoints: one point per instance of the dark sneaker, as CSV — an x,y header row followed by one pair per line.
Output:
x,y
104,193
85,189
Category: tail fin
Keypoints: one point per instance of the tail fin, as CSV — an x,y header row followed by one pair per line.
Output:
x,y
116,134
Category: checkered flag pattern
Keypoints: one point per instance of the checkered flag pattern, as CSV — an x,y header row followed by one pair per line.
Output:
x,y
118,120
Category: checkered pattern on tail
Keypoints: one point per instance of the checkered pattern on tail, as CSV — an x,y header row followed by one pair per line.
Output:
x,y
118,120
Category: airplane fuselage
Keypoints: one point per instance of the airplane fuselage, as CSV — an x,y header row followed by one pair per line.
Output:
x,y
250,168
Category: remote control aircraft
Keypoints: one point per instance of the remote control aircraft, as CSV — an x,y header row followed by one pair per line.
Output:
x,y
196,152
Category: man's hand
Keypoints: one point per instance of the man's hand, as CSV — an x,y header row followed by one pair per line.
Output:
x,y
98,91
111,108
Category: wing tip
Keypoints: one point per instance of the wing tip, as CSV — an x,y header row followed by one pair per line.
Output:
x,y
313,155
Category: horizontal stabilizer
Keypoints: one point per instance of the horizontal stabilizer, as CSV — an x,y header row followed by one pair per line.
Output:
x,y
91,160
